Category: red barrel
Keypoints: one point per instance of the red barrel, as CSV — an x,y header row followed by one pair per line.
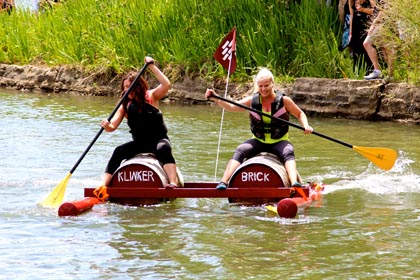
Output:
x,y
142,171
262,171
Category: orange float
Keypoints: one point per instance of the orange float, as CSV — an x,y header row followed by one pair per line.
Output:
x,y
77,207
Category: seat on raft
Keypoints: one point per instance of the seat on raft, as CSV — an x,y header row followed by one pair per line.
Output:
x,y
265,170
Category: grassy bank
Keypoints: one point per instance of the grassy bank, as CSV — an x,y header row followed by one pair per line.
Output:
x,y
294,39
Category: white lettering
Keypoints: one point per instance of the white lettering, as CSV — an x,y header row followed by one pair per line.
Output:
x,y
135,176
266,179
255,177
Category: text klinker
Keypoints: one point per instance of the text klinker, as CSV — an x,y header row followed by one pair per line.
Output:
x,y
136,176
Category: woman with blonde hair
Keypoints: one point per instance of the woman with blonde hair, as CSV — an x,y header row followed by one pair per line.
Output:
x,y
270,134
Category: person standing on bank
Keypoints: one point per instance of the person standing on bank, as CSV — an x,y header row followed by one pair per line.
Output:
x,y
369,44
145,120
270,135
361,12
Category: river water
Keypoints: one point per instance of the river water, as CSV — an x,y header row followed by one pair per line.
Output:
x,y
366,226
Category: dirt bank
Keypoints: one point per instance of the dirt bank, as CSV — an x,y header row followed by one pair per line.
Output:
x,y
355,99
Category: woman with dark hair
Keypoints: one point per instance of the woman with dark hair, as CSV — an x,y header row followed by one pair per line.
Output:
x,y
145,120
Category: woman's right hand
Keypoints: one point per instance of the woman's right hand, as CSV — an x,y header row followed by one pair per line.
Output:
x,y
105,124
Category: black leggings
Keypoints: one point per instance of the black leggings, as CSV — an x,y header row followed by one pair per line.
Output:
x,y
162,150
283,150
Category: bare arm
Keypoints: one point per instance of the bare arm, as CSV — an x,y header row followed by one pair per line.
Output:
x,y
341,10
368,11
228,106
115,122
162,89
293,109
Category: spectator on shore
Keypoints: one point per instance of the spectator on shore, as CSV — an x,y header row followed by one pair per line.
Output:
x,y
369,45
360,20
344,12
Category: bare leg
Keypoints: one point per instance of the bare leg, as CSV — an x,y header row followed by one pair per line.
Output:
x,y
106,178
230,168
372,53
100,192
291,169
170,169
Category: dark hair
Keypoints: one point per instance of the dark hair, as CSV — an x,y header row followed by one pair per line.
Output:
x,y
139,89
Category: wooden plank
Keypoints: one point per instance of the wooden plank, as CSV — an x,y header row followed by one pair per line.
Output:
x,y
205,191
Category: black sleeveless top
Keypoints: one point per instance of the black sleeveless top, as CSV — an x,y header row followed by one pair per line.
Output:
x,y
145,122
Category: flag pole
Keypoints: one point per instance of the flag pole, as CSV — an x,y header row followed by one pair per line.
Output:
x,y
226,55
221,121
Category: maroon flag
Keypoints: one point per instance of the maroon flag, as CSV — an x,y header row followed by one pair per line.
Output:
x,y
226,52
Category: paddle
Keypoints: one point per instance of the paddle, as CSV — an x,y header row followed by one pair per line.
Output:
x,y
382,157
55,198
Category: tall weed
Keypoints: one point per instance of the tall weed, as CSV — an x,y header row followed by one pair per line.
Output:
x,y
293,38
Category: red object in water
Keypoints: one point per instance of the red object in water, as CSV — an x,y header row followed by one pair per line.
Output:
x,y
77,207
287,208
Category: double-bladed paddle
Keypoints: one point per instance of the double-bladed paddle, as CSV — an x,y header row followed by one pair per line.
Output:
x,y
384,158
55,198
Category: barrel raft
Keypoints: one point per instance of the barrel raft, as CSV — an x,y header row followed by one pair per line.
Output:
x,y
142,180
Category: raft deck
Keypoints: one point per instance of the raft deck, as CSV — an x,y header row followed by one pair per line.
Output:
x,y
197,190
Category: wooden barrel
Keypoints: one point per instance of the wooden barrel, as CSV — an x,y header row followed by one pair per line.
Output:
x,y
142,171
262,171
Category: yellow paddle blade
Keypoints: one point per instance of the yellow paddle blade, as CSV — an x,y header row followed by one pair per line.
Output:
x,y
383,158
271,208
55,198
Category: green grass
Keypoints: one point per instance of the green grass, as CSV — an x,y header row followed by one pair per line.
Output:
x,y
403,18
293,39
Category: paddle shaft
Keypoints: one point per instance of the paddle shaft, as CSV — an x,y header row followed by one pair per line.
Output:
x,y
289,123
142,70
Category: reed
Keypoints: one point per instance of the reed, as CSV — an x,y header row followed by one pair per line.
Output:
x,y
399,34
293,38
